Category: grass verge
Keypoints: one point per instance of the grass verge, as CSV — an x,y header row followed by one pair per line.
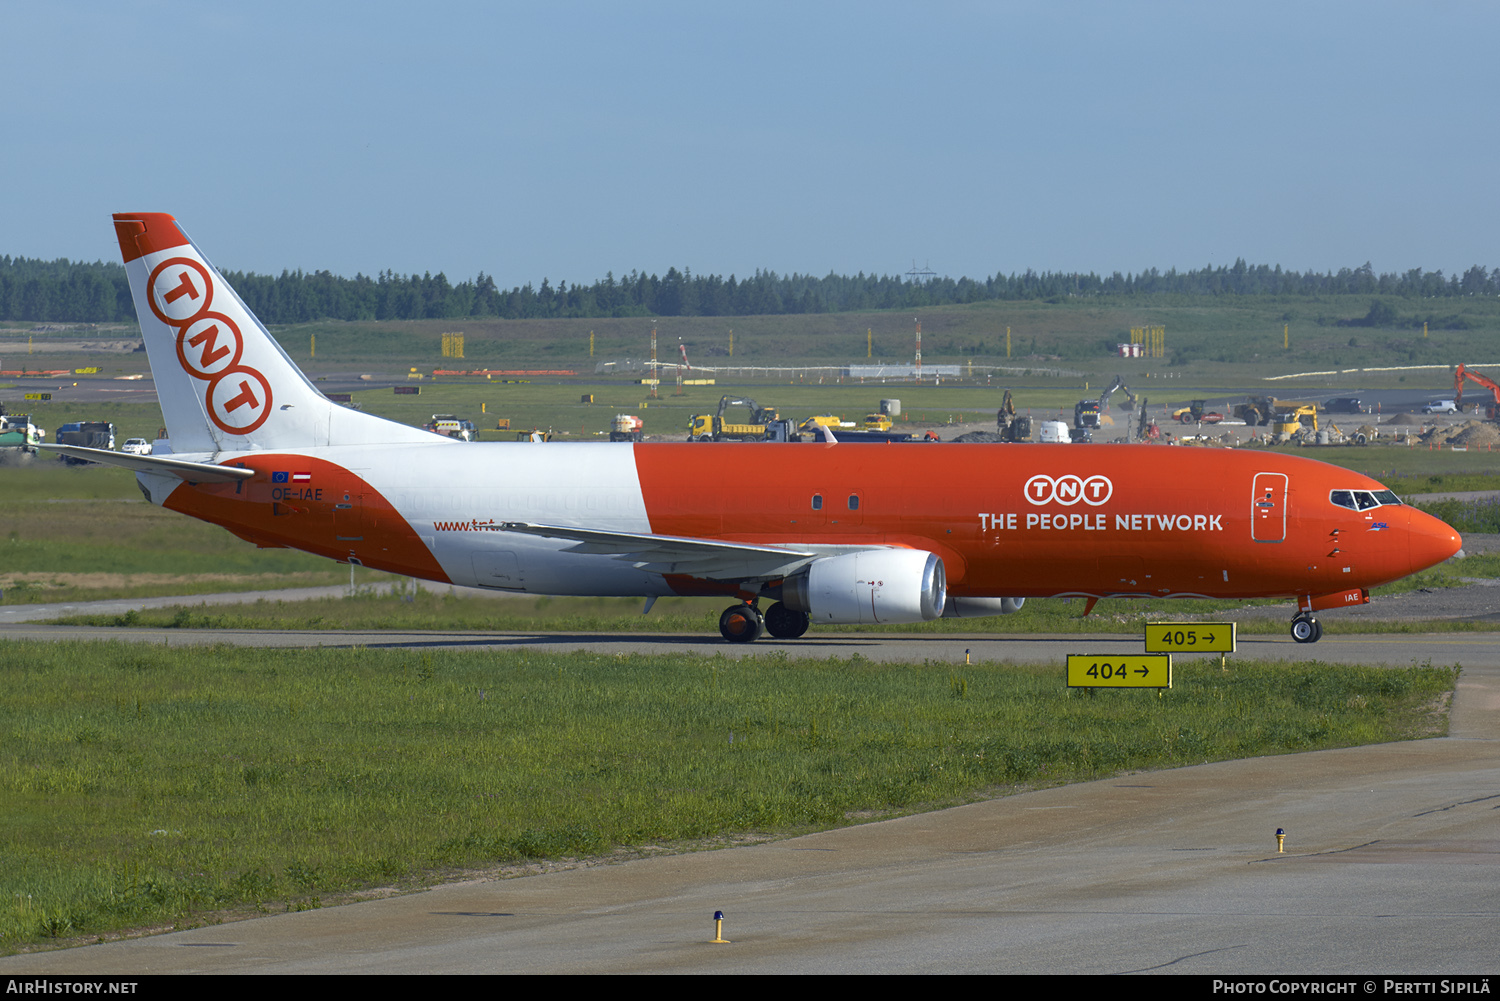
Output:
x,y
150,786
417,610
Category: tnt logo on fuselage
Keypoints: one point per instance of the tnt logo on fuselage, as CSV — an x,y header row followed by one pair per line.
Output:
x,y
209,345
1069,489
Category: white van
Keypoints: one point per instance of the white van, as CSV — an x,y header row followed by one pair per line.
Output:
x,y
1055,432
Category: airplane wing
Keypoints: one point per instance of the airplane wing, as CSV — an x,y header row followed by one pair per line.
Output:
x,y
711,559
193,472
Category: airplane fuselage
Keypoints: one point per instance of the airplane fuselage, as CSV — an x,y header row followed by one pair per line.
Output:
x,y
1011,520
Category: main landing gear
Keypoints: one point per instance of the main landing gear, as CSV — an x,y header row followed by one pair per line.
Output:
x,y
1306,629
743,623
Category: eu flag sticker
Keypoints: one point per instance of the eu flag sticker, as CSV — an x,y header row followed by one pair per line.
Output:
x,y
278,477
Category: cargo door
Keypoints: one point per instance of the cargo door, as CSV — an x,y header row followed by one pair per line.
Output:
x,y
349,518
1268,507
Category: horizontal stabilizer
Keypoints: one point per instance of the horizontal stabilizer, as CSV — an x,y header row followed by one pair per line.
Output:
x,y
193,472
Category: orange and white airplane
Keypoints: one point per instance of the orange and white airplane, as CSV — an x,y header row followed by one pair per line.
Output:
x,y
826,532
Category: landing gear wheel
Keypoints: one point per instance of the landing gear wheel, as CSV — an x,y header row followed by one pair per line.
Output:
x,y
740,624
785,623
1306,629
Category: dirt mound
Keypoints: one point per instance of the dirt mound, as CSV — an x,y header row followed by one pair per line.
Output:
x,y
1469,434
1407,419
1477,435
983,437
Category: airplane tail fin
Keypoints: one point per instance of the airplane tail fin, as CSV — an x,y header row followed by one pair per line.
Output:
x,y
224,383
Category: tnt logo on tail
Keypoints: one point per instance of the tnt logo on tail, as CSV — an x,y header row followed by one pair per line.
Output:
x,y
209,345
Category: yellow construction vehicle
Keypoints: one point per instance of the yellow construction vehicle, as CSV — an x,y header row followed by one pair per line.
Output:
x,y
822,420
712,427
1262,410
877,422
1292,422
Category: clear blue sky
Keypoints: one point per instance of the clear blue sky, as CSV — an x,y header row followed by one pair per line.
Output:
x,y
563,140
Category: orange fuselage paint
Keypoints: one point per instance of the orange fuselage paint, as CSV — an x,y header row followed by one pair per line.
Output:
x,y
1036,520
332,513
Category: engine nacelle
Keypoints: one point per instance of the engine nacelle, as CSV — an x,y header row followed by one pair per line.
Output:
x,y
976,608
882,585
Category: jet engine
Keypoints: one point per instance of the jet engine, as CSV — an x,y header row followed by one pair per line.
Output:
x,y
882,585
974,608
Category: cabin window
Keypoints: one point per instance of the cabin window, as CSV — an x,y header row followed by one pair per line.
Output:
x,y
1342,498
817,502
1365,500
854,502
1387,497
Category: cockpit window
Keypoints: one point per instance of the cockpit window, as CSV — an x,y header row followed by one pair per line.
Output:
x,y
1361,500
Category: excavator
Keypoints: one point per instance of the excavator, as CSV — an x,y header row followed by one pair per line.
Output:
x,y
1147,430
1011,426
1089,415
1119,383
706,427
1491,410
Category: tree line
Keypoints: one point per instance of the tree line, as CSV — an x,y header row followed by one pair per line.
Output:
x,y
77,292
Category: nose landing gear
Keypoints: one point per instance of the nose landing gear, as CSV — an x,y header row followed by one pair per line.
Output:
x,y
1306,629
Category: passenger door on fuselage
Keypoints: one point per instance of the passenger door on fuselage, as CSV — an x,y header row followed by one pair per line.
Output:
x,y
1268,507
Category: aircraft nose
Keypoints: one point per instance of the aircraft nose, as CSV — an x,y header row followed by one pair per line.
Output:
x,y
1432,541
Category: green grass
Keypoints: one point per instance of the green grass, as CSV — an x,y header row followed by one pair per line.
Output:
x,y
1481,516
46,480
1421,483
150,785
1204,334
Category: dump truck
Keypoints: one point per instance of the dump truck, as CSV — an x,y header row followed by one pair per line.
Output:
x,y
87,434
705,427
1086,415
